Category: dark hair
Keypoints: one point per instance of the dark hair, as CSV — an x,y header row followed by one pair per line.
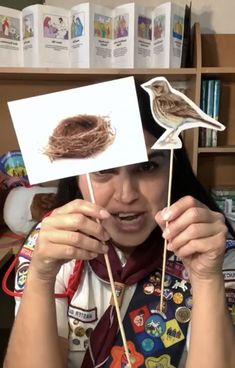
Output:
x,y
184,181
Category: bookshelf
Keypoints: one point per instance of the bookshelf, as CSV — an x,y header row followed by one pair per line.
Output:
x,y
213,56
215,165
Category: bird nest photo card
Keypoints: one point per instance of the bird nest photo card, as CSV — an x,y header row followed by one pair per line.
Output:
x,y
80,130
175,112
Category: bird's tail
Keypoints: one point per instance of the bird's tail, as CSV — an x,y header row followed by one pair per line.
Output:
x,y
168,140
211,124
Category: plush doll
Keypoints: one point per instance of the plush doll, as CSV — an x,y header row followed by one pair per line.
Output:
x,y
25,206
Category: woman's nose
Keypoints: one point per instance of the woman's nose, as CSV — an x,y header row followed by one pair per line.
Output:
x,y
126,189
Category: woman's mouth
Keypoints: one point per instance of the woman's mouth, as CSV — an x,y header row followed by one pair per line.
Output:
x,y
129,221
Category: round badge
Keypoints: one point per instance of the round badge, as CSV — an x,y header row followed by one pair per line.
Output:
x,y
147,344
168,294
167,280
185,275
183,314
148,288
89,331
178,298
79,331
155,325
189,302
76,342
153,279
157,291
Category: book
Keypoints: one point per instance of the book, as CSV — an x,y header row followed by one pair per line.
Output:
x,y
224,195
94,36
168,30
223,190
209,109
203,105
10,37
186,59
45,36
115,38
216,107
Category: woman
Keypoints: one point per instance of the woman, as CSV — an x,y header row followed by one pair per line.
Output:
x,y
132,216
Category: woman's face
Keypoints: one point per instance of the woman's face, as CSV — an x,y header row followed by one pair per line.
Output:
x,y
132,195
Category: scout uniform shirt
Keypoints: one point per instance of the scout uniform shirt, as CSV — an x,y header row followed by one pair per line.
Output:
x,y
153,338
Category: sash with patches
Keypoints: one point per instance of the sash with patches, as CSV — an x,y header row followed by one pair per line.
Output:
x,y
155,339
29,244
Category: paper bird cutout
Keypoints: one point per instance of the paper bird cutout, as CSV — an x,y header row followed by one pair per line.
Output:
x,y
175,112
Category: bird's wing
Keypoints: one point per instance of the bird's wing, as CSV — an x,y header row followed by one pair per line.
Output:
x,y
179,107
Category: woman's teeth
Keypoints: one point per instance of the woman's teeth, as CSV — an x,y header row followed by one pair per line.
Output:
x,y
128,216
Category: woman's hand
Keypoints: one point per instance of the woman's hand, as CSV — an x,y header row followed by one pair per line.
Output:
x,y
195,234
70,232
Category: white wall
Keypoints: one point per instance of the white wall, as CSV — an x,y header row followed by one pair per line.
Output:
x,y
214,15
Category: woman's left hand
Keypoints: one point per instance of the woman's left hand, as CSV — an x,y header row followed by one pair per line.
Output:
x,y
195,234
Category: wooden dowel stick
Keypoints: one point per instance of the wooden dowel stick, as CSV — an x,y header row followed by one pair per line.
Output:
x,y
165,242
111,283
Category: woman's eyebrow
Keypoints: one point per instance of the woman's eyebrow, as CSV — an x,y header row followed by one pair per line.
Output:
x,y
155,154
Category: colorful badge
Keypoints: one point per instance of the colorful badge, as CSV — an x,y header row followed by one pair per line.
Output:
x,y
21,276
183,314
155,325
173,333
164,361
119,356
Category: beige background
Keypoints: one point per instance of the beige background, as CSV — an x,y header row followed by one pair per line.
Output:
x,y
215,16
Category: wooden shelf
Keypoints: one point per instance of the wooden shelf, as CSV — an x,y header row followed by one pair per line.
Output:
x,y
89,74
218,70
213,56
225,150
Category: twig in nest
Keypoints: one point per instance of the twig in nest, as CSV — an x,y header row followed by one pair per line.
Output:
x,y
80,136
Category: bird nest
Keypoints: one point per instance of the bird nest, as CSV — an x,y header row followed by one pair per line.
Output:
x,y
80,136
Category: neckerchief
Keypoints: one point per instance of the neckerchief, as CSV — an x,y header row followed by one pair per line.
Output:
x,y
146,258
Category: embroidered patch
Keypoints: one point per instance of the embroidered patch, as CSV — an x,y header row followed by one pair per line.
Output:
x,y
229,275
21,276
155,325
138,318
180,284
120,360
149,344
173,333
230,296
31,240
230,244
83,315
175,269
232,313
164,361
29,245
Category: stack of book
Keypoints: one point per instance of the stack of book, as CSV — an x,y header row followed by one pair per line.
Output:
x,y
224,195
89,35
210,104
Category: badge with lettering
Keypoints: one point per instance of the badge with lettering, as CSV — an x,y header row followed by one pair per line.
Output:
x,y
83,315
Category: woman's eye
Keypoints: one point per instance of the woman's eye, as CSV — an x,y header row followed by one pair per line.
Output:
x,y
148,166
104,172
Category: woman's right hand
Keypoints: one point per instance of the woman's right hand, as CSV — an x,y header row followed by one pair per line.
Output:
x,y
73,231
